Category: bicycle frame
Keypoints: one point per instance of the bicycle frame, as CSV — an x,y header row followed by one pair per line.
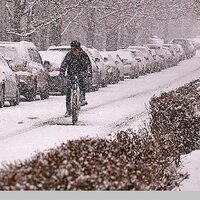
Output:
x,y
75,100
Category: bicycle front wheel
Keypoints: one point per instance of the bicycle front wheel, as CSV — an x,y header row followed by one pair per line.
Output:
x,y
75,109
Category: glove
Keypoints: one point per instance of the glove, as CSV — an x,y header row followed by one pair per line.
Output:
x,y
62,78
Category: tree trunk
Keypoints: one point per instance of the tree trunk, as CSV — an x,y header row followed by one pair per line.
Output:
x,y
91,28
16,22
111,39
29,22
43,39
3,36
166,30
55,33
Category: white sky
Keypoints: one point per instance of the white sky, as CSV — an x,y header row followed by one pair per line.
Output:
x,y
37,126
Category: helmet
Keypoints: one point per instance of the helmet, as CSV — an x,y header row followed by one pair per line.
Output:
x,y
75,44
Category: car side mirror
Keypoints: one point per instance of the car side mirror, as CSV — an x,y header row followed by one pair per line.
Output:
x,y
138,59
10,64
105,59
116,62
12,67
97,60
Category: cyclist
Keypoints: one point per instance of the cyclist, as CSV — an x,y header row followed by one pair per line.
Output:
x,y
76,62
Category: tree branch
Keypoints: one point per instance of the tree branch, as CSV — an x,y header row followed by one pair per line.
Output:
x,y
78,14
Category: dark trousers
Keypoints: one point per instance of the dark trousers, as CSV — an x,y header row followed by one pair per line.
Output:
x,y
82,86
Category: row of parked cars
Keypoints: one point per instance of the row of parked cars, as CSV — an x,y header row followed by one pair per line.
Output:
x,y
22,73
110,67
27,72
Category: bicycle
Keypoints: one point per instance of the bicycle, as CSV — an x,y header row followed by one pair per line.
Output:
x,y
75,100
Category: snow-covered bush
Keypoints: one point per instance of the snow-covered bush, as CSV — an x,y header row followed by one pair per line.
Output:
x,y
175,120
127,161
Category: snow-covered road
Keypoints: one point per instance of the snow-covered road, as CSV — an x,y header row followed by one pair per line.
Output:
x,y
40,125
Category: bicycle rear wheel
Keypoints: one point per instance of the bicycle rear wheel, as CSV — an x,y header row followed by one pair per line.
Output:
x,y
75,109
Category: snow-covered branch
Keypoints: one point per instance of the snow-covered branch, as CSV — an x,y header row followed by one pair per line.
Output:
x,y
74,19
31,6
10,13
50,19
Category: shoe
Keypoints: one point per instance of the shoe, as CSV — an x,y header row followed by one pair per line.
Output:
x,y
84,103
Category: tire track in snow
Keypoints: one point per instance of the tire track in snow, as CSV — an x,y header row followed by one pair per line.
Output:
x,y
115,125
118,126
124,122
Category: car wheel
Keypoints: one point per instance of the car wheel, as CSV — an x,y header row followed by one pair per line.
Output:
x,y
31,95
2,98
17,98
11,103
103,83
63,91
136,73
44,95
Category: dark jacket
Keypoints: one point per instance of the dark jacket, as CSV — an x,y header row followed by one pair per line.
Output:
x,y
76,64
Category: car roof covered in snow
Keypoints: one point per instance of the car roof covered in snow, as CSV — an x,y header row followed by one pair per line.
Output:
x,y
154,46
62,48
16,50
125,54
17,44
59,48
54,57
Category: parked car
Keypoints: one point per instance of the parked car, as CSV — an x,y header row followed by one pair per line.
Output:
x,y
142,60
145,52
95,83
154,39
174,54
161,53
192,49
53,60
157,61
185,44
104,75
180,51
9,84
112,69
119,64
28,66
131,65
92,85
196,42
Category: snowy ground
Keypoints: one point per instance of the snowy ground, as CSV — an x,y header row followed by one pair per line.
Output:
x,y
37,126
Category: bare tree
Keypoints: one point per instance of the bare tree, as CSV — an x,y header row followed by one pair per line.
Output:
x,y
97,23
3,20
16,10
172,10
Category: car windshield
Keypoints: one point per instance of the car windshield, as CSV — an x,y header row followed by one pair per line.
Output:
x,y
179,41
2,62
141,49
9,52
4,65
135,53
105,59
154,47
168,46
